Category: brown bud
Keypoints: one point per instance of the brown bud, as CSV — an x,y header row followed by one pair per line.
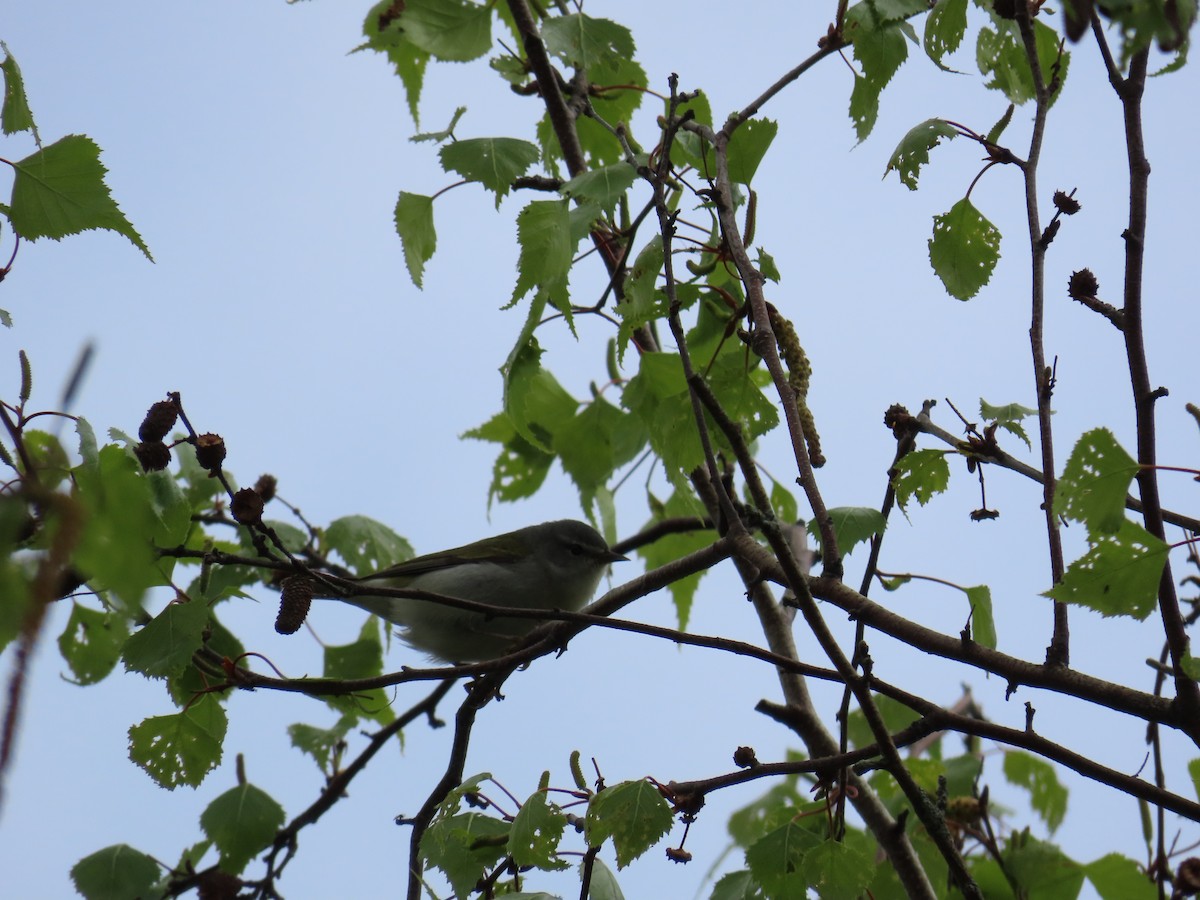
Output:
x,y
247,506
1187,877
1082,284
210,451
265,486
965,810
294,603
153,455
745,758
1066,204
160,419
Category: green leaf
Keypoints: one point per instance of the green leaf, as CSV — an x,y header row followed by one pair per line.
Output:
x,y
880,48
544,235
91,643
603,885
181,748
633,813
536,831
836,870
1000,53
1118,576
776,858
964,249
386,34
60,190
537,405
1042,869
1194,772
851,525
983,623
449,30
242,822
605,185
895,715
116,873
747,148
165,646
320,743
117,547
1116,877
913,150
493,162
921,474
1047,797
598,440
15,115
642,302
765,263
418,237
446,133
1095,483
1008,417
944,30
658,395
361,659
784,504
366,545
671,547
586,43
464,847
739,885
520,468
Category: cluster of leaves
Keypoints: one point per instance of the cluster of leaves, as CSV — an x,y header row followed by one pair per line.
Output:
x,y
133,535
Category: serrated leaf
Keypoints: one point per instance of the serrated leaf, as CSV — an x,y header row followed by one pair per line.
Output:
x,y
739,885
775,859
463,847
913,150
363,658
836,870
964,249
241,822
633,813
536,831
1000,53
520,468
1042,870
320,743
116,873
181,748
983,623
165,645
671,547
1095,483
852,525
1118,576
60,190
596,441
587,43
91,643
1117,877
747,148
493,162
944,30
366,545
544,235
449,30
921,474
1008,417
1047,797
15,115
536,404
385,34
880,50
604,185
446,133
418,236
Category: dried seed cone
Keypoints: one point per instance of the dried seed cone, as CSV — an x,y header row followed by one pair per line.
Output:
x,y
1066,204
210,451
247,506
160,419
153,455
1187,877
1082,284
294,603
266,486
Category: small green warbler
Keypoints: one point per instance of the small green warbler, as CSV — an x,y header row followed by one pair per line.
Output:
x,y
555,565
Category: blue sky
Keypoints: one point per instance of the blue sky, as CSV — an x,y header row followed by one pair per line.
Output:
x,y
260,161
